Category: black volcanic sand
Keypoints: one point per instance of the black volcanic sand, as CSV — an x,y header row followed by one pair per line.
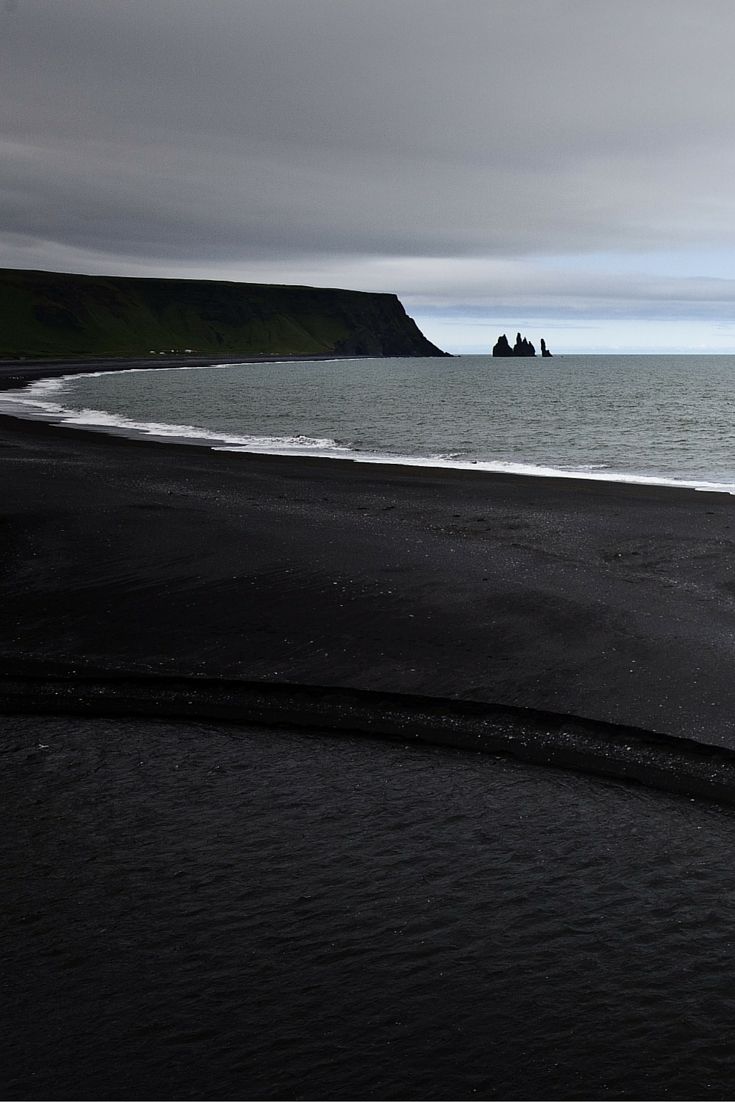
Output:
x,y
191,911
196,911
602,600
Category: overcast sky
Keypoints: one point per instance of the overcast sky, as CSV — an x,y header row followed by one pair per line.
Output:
x,y
562,166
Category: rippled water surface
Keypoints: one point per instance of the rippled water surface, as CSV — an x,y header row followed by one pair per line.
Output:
x,y
632,417
199,912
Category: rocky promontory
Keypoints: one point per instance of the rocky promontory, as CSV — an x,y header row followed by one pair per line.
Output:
x,y
60,314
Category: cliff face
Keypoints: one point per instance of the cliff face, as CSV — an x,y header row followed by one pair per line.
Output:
x,y
56,314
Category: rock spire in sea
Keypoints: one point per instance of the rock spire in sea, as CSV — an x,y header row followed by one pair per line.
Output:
x,y
522,347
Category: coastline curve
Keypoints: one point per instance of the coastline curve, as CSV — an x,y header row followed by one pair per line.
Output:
x,y
25,395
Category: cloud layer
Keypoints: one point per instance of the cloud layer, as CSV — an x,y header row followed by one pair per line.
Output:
x,y
517,157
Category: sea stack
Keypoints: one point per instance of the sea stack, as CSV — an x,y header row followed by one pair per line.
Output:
x,y
522,347
502,348
544,349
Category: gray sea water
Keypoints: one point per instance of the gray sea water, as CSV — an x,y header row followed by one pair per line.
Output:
x,y
631,418
194,911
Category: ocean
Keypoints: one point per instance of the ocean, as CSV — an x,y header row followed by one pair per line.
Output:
x,y
657,419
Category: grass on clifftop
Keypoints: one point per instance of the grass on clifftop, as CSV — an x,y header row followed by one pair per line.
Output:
x,y
57,314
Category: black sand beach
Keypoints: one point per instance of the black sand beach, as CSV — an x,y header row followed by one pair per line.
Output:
x,y
205,903
605,601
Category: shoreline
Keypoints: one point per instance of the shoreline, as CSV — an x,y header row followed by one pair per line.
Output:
x,y
20,373
597,602
355,466
34,371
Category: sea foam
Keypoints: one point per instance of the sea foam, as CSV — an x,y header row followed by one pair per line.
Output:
x,y
40,401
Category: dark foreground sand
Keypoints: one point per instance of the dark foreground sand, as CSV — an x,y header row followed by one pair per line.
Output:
x,y
610,602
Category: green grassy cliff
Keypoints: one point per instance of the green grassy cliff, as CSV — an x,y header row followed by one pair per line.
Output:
x,y
56,314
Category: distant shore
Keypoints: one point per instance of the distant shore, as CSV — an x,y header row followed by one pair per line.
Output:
x,y
15,373
615,603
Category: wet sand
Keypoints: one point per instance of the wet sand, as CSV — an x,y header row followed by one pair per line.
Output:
x,y
196,911
606,601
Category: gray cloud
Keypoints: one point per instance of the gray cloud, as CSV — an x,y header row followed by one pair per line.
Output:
x,y
351,140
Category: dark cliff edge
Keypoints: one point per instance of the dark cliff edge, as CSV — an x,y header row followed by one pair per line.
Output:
x,y
58,314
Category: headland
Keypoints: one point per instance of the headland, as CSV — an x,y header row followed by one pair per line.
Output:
x,y
62,315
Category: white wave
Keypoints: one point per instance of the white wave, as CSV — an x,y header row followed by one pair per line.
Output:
x,y
60,381
99,419
34,394
47,386
12,399
32,402
496,466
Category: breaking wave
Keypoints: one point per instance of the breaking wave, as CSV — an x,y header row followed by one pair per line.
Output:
x,y
40,401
